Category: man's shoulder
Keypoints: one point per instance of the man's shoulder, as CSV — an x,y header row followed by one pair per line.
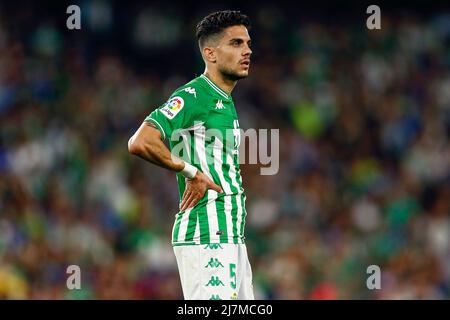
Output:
x,y
191,96
192,90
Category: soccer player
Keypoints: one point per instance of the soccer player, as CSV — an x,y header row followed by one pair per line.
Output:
x,y
201,122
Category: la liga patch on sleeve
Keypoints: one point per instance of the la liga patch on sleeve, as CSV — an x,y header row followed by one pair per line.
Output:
x,y
172,107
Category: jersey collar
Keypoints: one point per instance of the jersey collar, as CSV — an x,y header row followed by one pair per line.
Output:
x,y
215,87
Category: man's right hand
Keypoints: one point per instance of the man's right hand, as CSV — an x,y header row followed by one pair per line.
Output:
x,y
196,189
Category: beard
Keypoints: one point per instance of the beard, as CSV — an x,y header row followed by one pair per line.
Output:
x,y
230,74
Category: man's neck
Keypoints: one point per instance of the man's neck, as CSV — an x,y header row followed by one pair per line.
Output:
x,y
226,85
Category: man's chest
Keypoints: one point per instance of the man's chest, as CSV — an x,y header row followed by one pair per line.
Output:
x,y
222,124
221,115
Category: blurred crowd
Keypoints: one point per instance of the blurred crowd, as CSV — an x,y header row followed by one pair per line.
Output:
x,y
364,120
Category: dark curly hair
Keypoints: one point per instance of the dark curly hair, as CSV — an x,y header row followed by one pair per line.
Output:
x,y
216,22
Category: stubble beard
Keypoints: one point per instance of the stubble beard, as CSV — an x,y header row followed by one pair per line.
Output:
x,y
231,75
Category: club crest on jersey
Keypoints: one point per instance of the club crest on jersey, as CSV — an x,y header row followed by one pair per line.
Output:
x,y
172,107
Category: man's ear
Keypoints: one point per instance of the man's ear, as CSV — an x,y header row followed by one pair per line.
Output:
x,y
209,54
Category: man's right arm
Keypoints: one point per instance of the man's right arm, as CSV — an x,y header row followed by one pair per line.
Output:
x,y
147,144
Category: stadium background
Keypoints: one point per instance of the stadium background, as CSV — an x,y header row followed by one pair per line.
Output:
x,y
364,151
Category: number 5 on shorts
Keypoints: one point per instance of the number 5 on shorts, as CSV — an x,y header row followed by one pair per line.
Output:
x,y
233,275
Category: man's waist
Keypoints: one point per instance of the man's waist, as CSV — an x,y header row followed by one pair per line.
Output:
x,y
218,198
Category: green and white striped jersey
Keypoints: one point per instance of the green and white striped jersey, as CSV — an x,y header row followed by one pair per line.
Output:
x,y
201,123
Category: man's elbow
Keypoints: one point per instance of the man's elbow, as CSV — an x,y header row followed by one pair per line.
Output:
x,y
134,146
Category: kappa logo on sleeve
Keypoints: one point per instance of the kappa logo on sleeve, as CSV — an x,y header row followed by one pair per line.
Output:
x,y
172,107
191,91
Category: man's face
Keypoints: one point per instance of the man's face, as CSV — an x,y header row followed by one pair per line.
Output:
x,y
233,52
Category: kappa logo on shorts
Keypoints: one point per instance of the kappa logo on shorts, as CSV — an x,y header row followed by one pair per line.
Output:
x,y
214,263
172,107
215,297
213,246
214,282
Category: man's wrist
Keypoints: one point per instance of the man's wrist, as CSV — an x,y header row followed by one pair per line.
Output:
x,y
189,171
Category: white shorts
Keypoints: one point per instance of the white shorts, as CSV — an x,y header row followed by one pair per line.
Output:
x,y
214,271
